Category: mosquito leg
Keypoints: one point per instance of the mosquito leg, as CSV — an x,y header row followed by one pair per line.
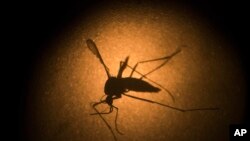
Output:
x,y
102,97
144,75
100,101
171,107
134,69
103,101
110,109
116,117
166,58
103,113
109,127
93,48
94,104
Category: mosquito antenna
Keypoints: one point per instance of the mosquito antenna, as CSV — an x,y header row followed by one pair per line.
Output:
x,y
171,107
93,48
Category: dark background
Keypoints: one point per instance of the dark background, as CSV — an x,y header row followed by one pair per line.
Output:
x,y
33,25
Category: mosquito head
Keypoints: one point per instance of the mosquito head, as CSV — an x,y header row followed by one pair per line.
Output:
x,y
109,100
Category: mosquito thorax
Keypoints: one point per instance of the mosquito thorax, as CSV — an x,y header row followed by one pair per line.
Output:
x,y
114,86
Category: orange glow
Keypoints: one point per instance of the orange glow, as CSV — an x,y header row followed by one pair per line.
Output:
x,y
204,74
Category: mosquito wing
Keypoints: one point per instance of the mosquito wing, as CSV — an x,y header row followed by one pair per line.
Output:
x,y
92,46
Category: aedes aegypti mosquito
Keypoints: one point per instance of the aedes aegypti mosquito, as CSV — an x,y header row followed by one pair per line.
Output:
x,y
117,86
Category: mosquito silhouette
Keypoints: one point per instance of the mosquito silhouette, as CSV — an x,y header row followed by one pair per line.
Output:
x,y
116,86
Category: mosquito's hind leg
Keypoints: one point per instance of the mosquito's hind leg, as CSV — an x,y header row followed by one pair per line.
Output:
x,y
171,107
166,58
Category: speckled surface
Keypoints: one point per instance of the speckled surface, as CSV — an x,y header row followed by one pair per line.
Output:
x,y
69,77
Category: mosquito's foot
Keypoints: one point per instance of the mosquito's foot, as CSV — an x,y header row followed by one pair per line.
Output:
x,y
119,132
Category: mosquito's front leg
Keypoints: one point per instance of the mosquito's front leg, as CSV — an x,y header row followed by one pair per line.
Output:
x,y
100,114
102,97
116,117
104,101
96,104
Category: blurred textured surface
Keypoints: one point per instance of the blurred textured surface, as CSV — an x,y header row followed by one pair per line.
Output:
x,y
69,77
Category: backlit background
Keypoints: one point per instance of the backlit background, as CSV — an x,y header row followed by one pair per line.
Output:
x,y
67,77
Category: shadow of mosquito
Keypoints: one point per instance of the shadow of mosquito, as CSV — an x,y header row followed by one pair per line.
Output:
x,y
116,86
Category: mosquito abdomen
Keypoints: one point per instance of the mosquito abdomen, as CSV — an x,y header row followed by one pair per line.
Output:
x,y
138,85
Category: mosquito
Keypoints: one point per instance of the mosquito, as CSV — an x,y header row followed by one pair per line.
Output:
x,y
116,86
